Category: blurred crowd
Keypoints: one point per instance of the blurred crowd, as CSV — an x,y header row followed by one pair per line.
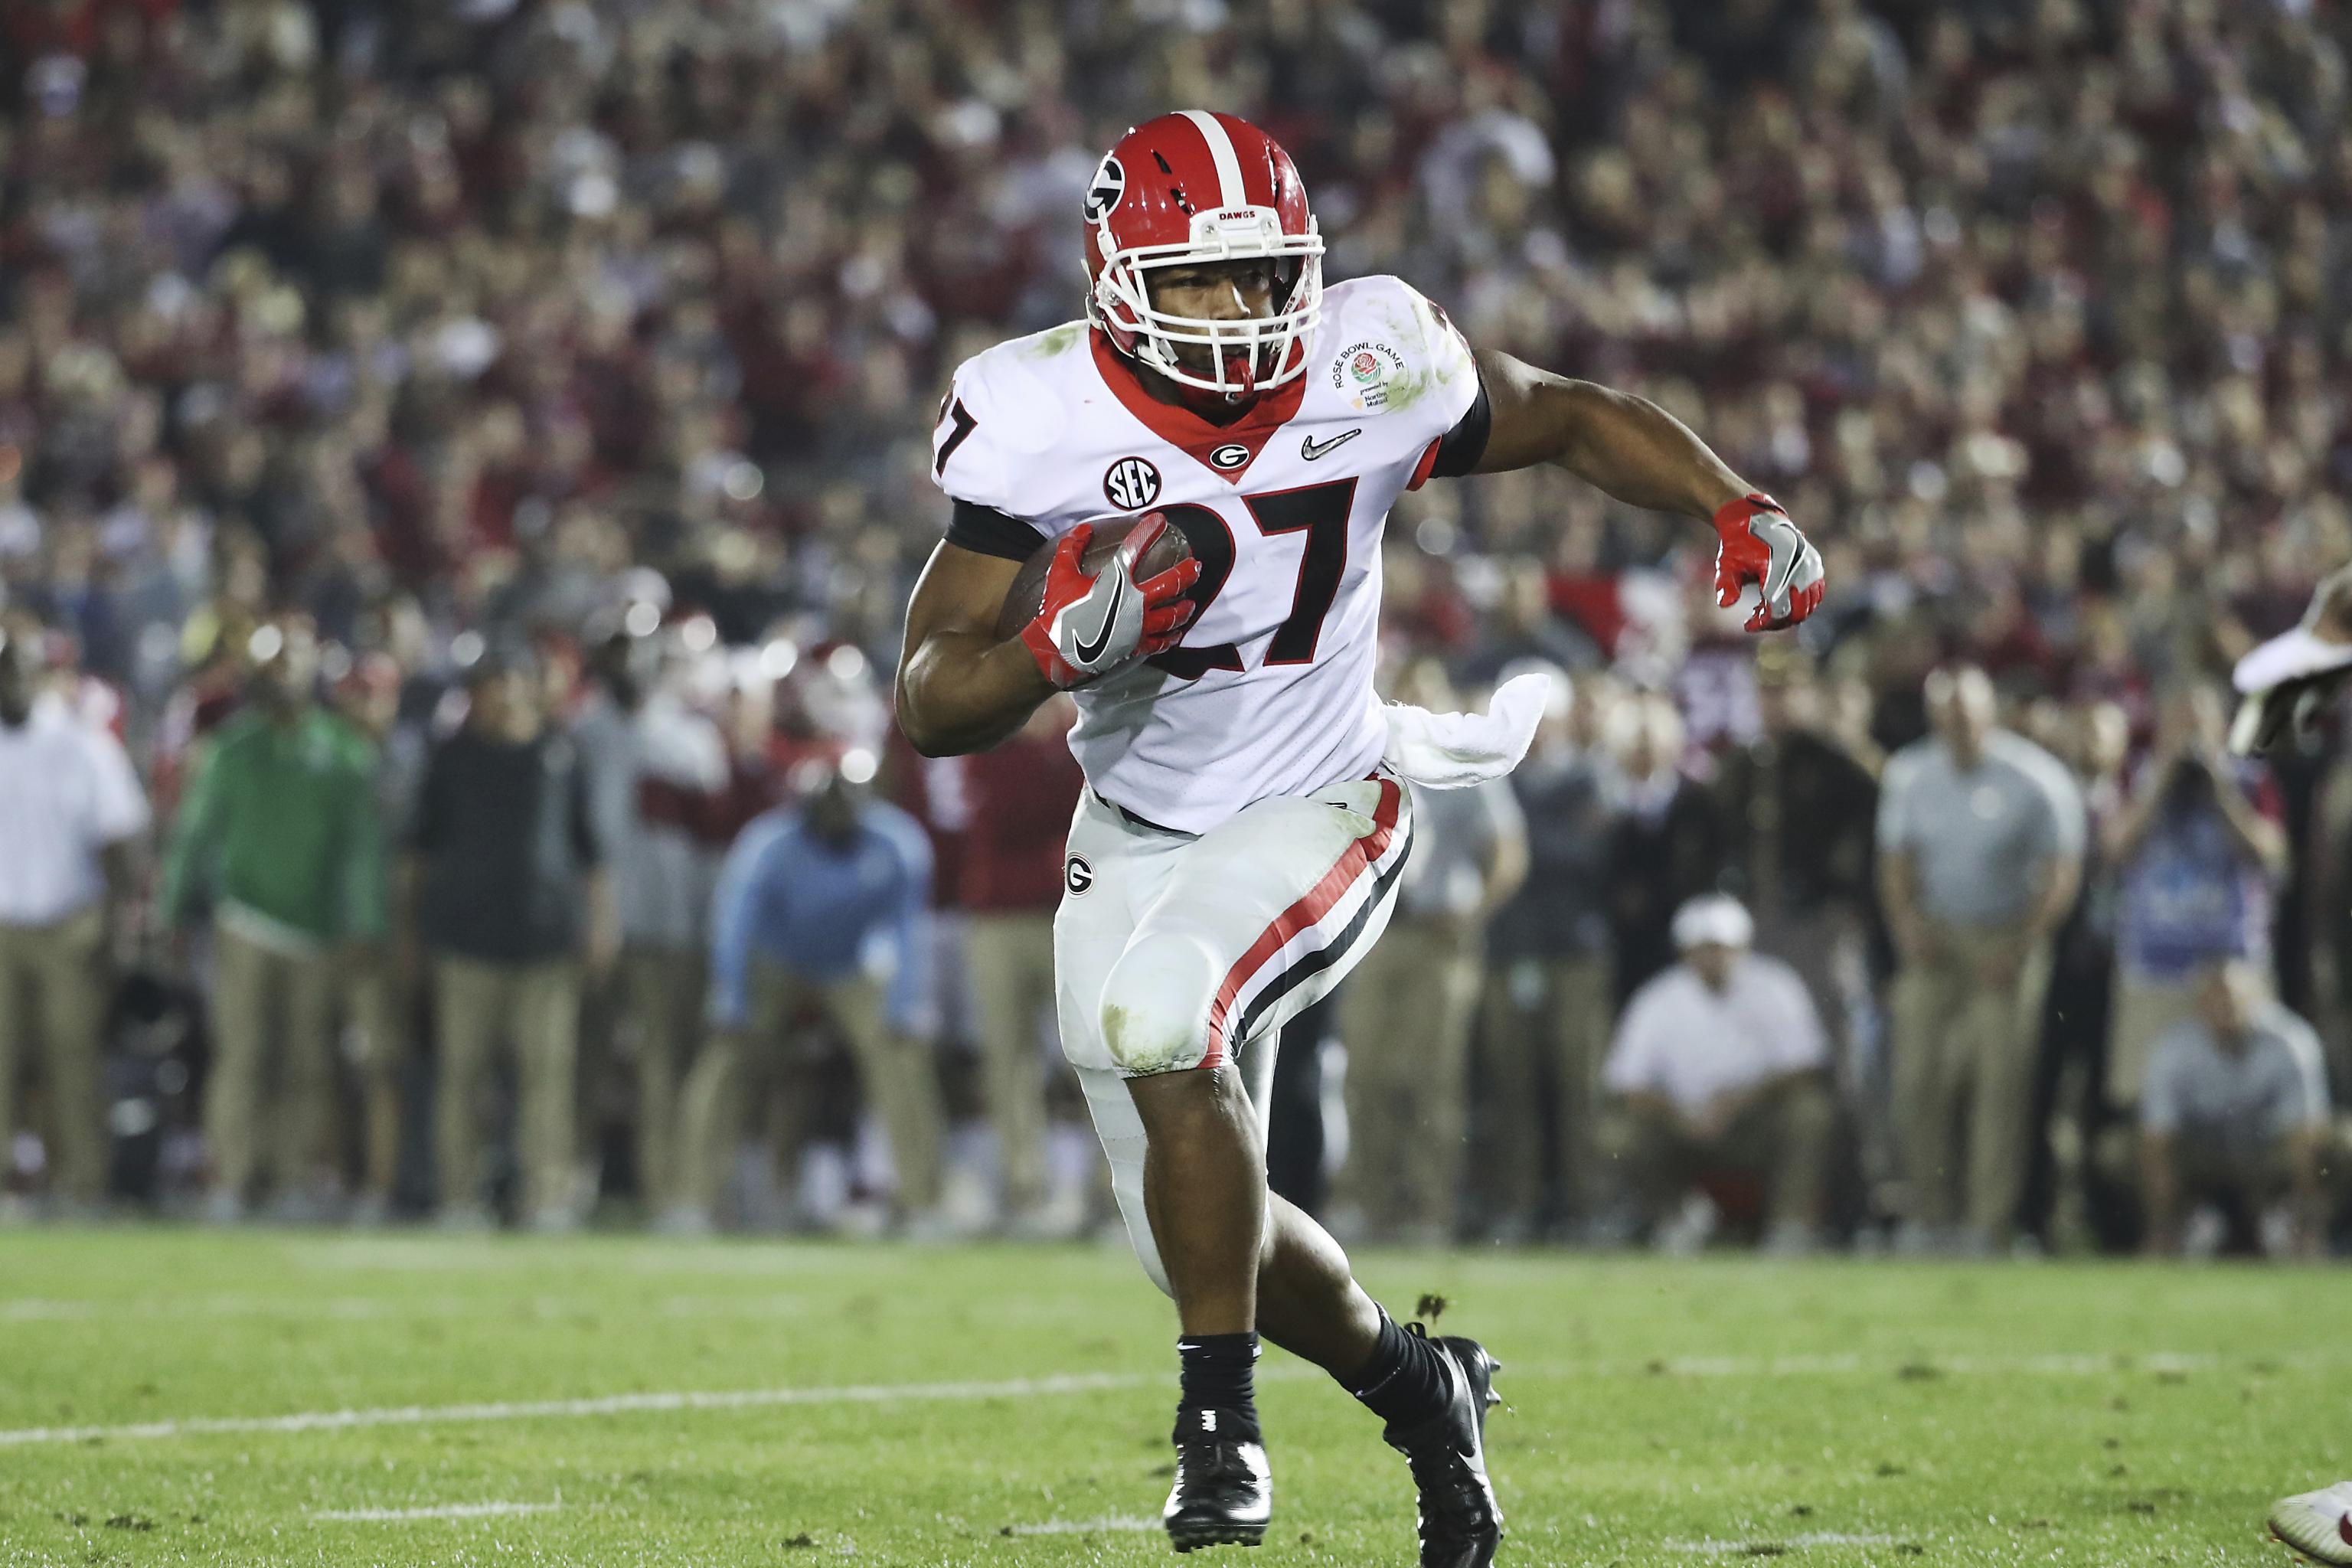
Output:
x,y
462,466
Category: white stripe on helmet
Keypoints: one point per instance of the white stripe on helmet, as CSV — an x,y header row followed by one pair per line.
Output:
x,y
1221,152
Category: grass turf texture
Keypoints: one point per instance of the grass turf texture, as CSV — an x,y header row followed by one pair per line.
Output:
x,y
1658,1412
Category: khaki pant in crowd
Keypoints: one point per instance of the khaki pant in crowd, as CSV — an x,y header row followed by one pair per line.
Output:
x,y
2208,1169
1828,946
273,1050
2145,1010
535,1008
900,1081
56,974
1405,1017
1783,1135
1547,1023
374,1004
1964,1050
661,1007
1010,958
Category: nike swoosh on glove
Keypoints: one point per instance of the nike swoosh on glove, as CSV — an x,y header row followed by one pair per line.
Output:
x,y
1760,546
1089,626
1454,750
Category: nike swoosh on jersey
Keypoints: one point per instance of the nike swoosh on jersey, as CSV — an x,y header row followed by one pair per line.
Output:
x,y
1310,449
1088,653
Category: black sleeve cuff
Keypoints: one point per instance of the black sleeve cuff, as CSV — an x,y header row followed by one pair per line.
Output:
x,y
1459,449
986,531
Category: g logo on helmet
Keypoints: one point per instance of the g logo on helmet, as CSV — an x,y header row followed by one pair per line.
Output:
x,y
1078,876
1109,184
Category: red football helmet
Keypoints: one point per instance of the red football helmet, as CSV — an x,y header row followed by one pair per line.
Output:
x,y
1194,187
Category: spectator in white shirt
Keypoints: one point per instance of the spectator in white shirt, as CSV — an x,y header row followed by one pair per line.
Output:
x,y
2235,1108
69,807
1718,1067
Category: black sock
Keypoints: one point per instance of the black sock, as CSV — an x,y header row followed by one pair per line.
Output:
x,y
1404,1382
1218,1400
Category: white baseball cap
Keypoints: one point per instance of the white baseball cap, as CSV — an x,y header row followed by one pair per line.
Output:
x,y
1713,918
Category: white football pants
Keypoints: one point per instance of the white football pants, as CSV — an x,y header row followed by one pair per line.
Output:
x,y
1173,952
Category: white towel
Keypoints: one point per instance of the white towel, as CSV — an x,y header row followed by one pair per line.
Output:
x,y
2285,683
2294,655
1454,750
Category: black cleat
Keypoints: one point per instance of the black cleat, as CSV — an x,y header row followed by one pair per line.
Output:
x,y
1223,1494
1461,1524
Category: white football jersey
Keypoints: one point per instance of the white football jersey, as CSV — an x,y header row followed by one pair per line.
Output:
x,y
1271,692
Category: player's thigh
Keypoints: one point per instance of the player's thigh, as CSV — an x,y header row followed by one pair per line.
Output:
x,y
1111,870
1257,918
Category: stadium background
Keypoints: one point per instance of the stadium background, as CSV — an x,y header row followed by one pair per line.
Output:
x,y
485,321
453,328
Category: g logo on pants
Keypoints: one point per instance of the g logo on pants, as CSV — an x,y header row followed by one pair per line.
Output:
x,y
1078,876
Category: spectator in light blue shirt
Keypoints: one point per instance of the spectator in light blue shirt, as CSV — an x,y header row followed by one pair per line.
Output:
x,y
1980,838
2236,1107
821,909
2199,851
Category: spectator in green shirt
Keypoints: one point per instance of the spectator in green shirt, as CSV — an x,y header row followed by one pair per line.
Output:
x,y
281,838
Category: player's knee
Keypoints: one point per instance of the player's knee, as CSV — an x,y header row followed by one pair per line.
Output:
x,y
1155,1003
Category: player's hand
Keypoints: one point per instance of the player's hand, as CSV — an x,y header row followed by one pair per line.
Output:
x,y
1089,626
1760,546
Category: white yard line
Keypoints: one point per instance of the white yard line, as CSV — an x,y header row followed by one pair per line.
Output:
x,y
445,1511
2048,1366
41,1310
2159,1361
1786,1543
1083,1526
576,1409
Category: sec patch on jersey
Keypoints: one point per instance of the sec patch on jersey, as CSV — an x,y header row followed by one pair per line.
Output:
x,y
1026,596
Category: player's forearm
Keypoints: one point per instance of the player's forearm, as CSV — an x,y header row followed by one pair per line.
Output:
x,y
963,691
1624,444
1644,455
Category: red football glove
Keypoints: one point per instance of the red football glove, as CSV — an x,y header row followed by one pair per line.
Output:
x,y
1089,627
1760,546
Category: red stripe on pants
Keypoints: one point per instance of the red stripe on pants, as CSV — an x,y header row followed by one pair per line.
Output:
x,y
1353,862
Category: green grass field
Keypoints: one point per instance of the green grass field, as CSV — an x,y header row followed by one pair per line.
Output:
x,y
301,1398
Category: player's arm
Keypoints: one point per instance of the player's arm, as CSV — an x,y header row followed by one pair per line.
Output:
x,y
1624,444
963,688
1637,452
960,689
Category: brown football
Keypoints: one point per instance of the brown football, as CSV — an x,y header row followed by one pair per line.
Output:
x,y
1027,595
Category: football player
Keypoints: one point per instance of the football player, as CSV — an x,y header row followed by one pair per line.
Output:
x,y
1238,846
